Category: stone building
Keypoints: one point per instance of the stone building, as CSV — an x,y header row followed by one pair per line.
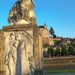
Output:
x,y
44,31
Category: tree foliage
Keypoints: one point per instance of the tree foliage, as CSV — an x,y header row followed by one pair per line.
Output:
x,y
51,31
50,51
60,50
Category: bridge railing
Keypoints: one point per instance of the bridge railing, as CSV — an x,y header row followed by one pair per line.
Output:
x,y
60,62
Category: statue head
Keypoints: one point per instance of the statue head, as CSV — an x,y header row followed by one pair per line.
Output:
x,y
27,3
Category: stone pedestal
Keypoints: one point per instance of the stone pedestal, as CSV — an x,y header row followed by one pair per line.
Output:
x,y
31,32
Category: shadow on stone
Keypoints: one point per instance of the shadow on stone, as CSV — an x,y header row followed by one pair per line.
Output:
x,y
39,72
2,73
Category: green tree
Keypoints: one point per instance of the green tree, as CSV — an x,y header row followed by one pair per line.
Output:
x,y
57,42
51,51
57,52
45,54
46,45
64,51
51,31
71,50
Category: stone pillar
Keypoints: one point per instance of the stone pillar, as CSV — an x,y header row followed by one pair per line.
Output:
x,y
37,51
2,68
36,45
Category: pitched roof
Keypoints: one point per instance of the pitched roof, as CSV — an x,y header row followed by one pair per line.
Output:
x,y
41,26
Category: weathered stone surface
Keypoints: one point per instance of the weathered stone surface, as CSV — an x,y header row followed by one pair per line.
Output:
x,y
12,43
22,13
21,43
32,33
2,48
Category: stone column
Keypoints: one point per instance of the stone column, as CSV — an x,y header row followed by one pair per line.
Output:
x,y
37,51
2,68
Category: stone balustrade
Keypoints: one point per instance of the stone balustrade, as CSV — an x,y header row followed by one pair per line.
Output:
x,y
59,62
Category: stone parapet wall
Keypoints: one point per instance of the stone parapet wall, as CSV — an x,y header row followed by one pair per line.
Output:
x,y
59,62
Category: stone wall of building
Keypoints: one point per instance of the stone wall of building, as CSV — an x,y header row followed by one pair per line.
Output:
x,y
50,41
44,32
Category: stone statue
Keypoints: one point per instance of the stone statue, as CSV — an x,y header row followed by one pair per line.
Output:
x,y
19,54
10,58
22,13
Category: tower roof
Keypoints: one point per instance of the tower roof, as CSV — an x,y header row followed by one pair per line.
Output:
x,y
45,26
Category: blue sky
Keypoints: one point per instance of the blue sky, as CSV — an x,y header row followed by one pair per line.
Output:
x,y
60,14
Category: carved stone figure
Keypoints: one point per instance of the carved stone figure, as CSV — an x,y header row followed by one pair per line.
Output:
x,y
10,58
19,54
22,13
